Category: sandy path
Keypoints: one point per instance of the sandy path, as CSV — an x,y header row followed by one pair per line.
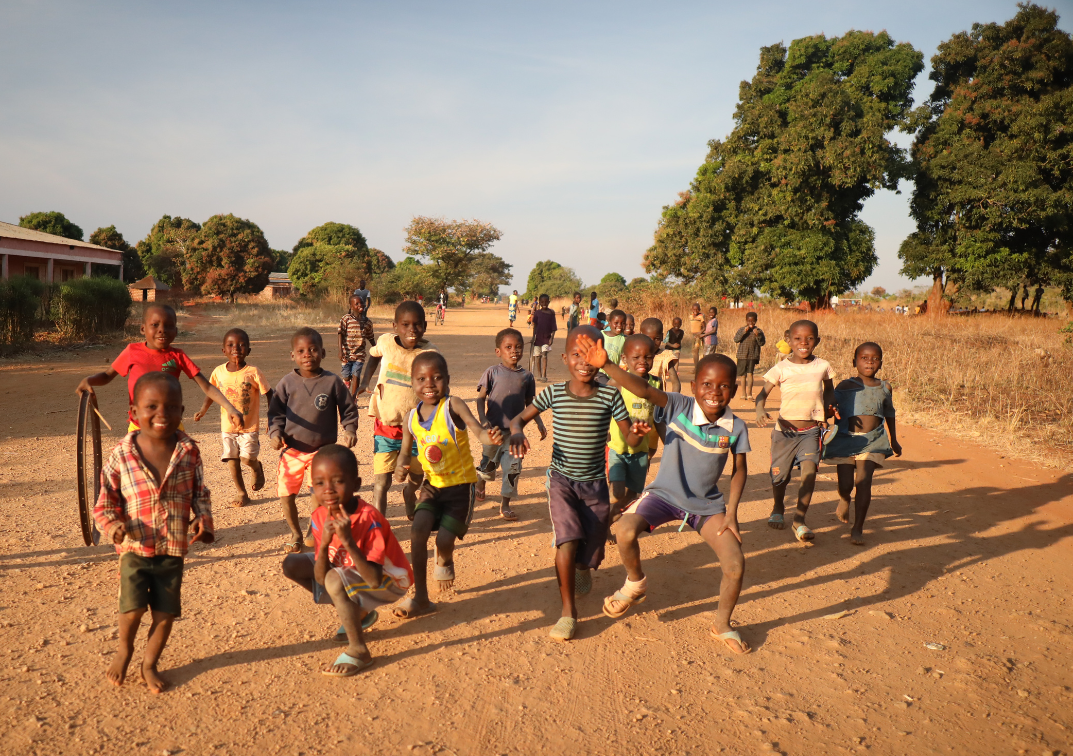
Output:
x,y
965,549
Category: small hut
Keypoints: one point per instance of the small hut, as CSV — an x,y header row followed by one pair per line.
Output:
x,y
279,286
148,290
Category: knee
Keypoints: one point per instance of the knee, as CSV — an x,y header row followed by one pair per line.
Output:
x,y
334,585
734,569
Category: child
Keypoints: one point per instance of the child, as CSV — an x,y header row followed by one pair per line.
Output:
x,y
393,398
502,393
601,322
355,335
807,390
151,485
700,433
578,498
243,385
696,330
628,464
862,444
749,339
665,360
302,418
594,310
512,308
675,337
613,340
357,563
438,425
628,329
160,328
711,333
575,312
782,347
544,328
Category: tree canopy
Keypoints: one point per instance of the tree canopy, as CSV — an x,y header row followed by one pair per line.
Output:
x,y
228,256
776,205
488,272
551,278
450,245
993,200
338,244
109,236
51,223
163,250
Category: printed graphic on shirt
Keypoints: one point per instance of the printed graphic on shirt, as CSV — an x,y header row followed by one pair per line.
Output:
x,y
321,402
171,366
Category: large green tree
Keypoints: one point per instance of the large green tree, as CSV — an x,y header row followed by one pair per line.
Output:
x,y
51,223
450,245
334,244
109,237
228,256
551,278
994,160
488,272
163,250
776,205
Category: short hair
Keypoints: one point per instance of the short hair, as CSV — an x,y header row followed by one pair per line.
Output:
x,y
361,284
577,293
237,332
752,314
616,313
542,297
340,455
717,359
650,323
357,297
805,324
592,332
675,319
411,307
156,376
429,357
592,296
508,332
629,316
305,332
872,344
166,309
636,339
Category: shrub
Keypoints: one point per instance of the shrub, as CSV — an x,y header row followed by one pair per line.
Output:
x,y
20,299
84,307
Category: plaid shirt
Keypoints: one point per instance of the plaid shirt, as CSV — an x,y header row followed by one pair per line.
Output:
x,y
356,337
749,346
157,517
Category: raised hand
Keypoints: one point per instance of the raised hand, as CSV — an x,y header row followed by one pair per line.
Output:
x,y
593,352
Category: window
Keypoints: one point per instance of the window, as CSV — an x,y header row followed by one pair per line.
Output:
x,y
33,271
66,275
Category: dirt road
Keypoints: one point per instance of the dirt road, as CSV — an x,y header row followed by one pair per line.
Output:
x,y
965,549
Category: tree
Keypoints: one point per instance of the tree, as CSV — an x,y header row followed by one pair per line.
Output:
x,y
336,234
228,256
994,179
487,273
551,278
879,292
51,223
335,243
776,205
309,264
450,245
282,260
109,237
163,250
614,279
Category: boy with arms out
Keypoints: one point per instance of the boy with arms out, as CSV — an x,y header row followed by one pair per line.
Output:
x,y
627,465
806,385
544,328
159,326
502,393
302,418
749,339
243,385
151,487
578,498
439,426
699,434
357,563
393,398
355,336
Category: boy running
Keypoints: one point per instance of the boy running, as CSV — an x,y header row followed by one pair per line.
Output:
x,y
502,393
806,385
578,498
544,328
151,488
243,385
355,336
439,427
700,433
749,339
357,563
302,418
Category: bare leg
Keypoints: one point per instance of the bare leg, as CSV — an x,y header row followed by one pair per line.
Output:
x,y
258,473
419,535
732,564
618,503
381,484
299,568
128,630
409,493
630,528
778,493
804,492
862,498
350,615
845,490
445,550
159,631
749,385
235,467
290,514
564,573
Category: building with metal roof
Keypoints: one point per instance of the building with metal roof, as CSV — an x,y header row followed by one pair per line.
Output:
x,y
51,258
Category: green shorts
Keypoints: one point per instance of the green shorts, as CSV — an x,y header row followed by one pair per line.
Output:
x,y
452,507
153,582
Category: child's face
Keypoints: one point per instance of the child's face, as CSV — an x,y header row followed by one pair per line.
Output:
x,y
676,323
580,370
638,359
868,362
750,319
696,309
307,354
711,312
431,383
713,388
236,349
356,307
577,298
803,341
410,328
628,329
654,332
159,328
544,301
616,324
333,486
158,409
510,351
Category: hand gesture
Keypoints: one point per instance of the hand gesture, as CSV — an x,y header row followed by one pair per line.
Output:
x,y
592,352
119,534
198,415
276,441
832,412
519,445
401,473
341,527
349,439
496,434
896,448
83,387
730,522
641,428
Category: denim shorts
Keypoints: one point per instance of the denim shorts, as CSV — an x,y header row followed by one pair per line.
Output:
x,y
351,370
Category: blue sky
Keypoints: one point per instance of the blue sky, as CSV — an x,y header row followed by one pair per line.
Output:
x,y
567,125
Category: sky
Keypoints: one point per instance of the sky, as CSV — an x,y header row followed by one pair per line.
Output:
x,y
566,125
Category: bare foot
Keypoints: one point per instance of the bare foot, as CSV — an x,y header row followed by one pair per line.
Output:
x,y
842,512
258,475
240,501
153,680
117,670
856,537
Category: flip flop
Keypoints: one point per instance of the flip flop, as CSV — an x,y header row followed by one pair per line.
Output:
x,y
478,494
732,635
293,547
625,601
346,659
802,533
776,521
582,582
368,621
444,572
564,629
407,609
508,515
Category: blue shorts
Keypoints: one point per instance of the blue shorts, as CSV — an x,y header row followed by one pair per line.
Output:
x,y
655,511
351,370
631,469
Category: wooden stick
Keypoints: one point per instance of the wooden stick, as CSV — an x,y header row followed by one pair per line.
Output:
x,y
106,425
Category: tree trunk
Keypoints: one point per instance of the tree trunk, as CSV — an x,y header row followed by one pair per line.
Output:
x,y
823,302
935,296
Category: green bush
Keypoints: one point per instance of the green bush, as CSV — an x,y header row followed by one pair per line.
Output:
x,y
20,299
84,307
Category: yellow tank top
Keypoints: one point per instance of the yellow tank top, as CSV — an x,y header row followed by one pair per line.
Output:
x,y
443,447
639,409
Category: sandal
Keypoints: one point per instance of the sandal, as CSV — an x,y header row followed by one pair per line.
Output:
x,y
508,514
293,546
346,660
732,635
802,533
776,521
582,582
408,609
367,621
623,601
564,629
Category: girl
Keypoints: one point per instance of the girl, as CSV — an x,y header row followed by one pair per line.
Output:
x,y
862,443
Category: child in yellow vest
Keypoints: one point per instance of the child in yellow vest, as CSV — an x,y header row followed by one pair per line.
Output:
x,y
438,427
627,466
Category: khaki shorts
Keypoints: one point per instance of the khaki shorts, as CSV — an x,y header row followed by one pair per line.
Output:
x,y
240,445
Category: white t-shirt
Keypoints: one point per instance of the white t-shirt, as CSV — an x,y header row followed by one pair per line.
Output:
x,y
801,387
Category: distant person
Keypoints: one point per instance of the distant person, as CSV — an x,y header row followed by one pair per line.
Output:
x,y
355,337
749,339
594,311
711,332
512,308
782,347
544,328
696,330
364,293
575,312
675,337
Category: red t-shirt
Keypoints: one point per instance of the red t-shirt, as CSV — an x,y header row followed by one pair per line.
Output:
x,y
138,359
373,536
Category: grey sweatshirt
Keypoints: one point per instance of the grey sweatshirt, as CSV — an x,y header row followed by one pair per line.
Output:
x,y
303,410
